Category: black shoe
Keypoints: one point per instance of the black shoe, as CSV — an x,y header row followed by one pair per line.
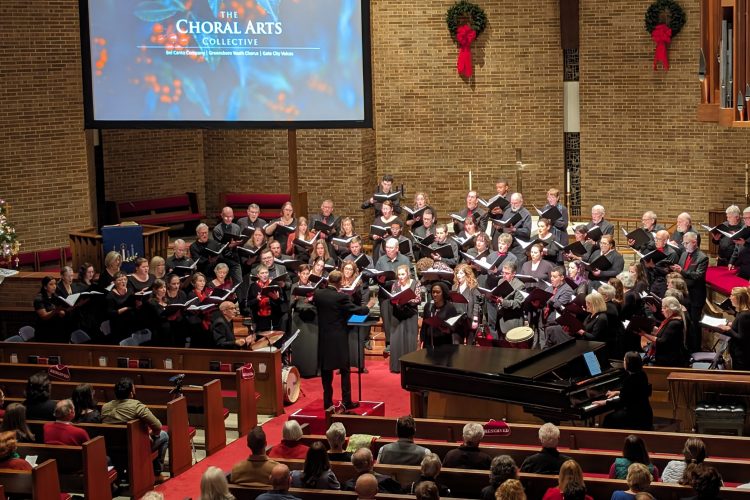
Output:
x,y
351,405
364,370
368,345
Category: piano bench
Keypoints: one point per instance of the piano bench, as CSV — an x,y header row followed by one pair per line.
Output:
x,y
663,424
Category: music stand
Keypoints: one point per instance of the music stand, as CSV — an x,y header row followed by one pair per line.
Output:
x,y
358,321
288,342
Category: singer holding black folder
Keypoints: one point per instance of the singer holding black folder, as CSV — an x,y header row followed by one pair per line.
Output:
x,y
404,324
437,333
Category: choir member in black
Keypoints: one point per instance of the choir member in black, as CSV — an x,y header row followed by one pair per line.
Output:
x,y
252,221
597,219
385,187
383,220
726,244
230,254
577,274
199,322
179,257
346,233
199,250
440,307
275,271
740,259
65,287
355,251
388,262
156,316
648,224
397,227
264,308
668,339
502,187
465,283
141,279
657,271
426,229
634,406
326,217
536,267
334,311
93,311
579,235
675,282
65,284
739,331
122,310
482,250
280,229
300,251
595,326
358,335
522,228
632,305
608,248
473,210
465,239
562,294
249,259
550,251
420,201
640,278
683,226
220,281
616,339
175,294
157,267
692,266
222,327
494,275
404,323
441,239
112,263
509,308
559,227
50,319
305,319
320,251
318,270
86,273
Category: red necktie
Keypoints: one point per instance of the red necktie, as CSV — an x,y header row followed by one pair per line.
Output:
x,y
687,261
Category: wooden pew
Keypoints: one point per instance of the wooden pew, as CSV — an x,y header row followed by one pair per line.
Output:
x,y
249,493
206,400
596,462
238,393
266,364
573,438
41,483
81,469
2,492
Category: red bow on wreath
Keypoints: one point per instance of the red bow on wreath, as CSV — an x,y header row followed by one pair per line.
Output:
x,y
662,36
464,36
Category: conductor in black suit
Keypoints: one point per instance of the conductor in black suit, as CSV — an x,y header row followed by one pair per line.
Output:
x,y
334,310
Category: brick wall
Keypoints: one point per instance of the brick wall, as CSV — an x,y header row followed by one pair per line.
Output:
x,y
42,145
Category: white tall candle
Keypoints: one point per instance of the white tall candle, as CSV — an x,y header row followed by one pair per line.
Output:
x,y
470,183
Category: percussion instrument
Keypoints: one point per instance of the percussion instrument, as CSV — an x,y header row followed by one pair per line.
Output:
x,y
266,340
519,334
290,381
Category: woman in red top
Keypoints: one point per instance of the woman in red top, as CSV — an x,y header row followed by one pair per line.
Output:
x,y
263,306
569,483
290,446
9,459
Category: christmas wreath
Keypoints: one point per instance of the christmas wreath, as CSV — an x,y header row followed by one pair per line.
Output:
x,y
466,21
664,19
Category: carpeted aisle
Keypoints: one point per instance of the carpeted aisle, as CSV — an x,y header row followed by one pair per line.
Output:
x,y
377,385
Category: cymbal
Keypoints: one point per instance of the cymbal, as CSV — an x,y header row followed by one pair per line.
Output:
x,y
272,333
267,339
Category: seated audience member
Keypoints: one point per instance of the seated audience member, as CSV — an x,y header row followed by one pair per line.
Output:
x,y
280,482
38,404
707,483
633,451
336,435
363,462
427,490
366,487
549,460
430,468
468,455
62,431
638,478
317,472
256,470
569,483
15,420
512,489
403,451
2,404
644,495
9,459
87,411
290,445
678,471
502,468
214,485
153,495
124,408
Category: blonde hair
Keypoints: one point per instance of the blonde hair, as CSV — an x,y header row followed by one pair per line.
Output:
x,y
570,472
511,489
595,303
639,478
471,280
743,298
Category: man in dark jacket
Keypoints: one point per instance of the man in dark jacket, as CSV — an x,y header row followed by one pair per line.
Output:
x,y
334,310
549,460
363,462
468,455
222,327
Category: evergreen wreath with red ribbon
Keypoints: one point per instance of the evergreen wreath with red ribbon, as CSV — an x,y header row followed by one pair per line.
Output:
x,y
664,20
466,21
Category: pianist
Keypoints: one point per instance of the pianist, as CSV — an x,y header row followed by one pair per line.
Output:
x,y
633,409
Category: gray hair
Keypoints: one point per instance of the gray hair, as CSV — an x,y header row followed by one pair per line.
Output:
x,y
336,435
690,235
549,435
253,206
626,279
178,242
598,208
473,433
221,266
201,227
502,467
63,409
608,291
733,209
291,431
431,465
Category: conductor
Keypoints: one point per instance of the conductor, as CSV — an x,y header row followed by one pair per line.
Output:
x,y
334,310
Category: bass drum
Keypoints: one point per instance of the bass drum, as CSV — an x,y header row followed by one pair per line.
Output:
x,y
290,381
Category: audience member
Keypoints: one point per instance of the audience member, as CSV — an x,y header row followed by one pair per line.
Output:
x,y
427,490
511,489
214,485
403,451
290,445
549,460
317,472
153,495
15,420
363,463
644,495
336,435
468,455
256,470
707,483
502,468
366,487
9,459
86,409
638,479
280,482
569,483
676,471
2,404
62,431
38,404
633,451
430,469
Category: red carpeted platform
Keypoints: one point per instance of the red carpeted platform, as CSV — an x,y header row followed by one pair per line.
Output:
x,y
314,414
723,280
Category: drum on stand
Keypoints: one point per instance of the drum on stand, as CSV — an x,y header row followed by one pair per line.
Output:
x,y
519,337
290,382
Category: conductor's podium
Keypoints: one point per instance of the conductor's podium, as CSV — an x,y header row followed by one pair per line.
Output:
x,y
315,415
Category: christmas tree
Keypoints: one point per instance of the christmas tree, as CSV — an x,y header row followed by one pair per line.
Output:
x,y
9,244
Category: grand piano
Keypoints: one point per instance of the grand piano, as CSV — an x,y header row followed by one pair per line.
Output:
x,y
556,384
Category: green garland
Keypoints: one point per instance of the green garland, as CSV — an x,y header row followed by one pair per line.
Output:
x,y
665,12
464,12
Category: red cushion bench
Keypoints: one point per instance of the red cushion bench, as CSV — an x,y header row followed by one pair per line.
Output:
x,y
270,203
723,280
166,211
